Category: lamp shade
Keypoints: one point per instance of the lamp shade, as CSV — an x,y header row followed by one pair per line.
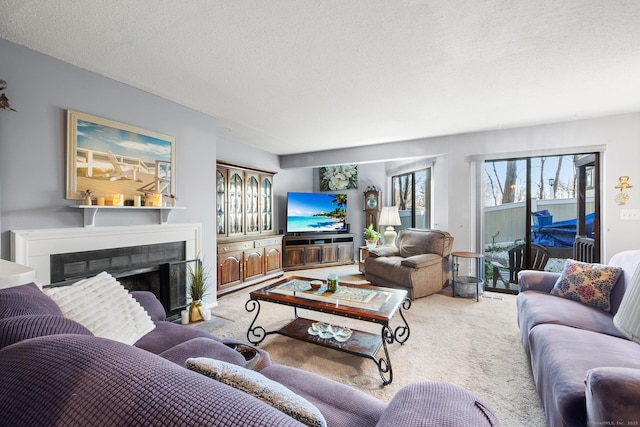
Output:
x,y
627,319
390,216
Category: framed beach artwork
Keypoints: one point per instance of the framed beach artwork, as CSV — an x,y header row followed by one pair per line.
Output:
x,y
343,177
108,157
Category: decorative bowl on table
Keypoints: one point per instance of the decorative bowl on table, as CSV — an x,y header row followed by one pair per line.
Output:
x,y
326,330
316,284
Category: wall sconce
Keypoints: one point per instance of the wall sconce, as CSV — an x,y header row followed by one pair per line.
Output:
x,y
390,217
623,183
4,101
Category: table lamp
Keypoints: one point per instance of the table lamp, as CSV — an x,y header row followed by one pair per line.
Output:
x,y
390,217
627,319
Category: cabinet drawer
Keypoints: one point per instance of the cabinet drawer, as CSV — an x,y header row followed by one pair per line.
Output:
x,y
235,246
268,242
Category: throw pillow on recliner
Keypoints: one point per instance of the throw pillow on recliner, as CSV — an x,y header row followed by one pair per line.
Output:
x,y
589,284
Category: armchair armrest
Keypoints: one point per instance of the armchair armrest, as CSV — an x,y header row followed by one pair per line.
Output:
x,y
384,251
420,261
612,396
533,280
430,403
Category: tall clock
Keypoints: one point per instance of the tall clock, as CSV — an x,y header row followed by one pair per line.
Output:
x,y
372,206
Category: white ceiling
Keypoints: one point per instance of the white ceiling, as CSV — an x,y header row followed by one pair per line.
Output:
x,y
292,76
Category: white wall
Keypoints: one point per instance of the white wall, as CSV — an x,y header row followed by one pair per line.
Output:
x,y
454,174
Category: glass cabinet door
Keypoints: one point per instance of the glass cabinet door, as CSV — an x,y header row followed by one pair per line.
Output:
x,y
266,204
253,212
221,201
236,202
244,202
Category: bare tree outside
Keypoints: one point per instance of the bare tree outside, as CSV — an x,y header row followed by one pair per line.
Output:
x,y
505,180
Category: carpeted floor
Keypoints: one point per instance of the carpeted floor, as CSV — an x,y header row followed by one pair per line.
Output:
x,y
473,344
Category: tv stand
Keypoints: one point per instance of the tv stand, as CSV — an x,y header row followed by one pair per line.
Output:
x,y
317,250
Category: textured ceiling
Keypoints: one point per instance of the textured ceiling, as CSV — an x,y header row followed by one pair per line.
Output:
x,y
305,75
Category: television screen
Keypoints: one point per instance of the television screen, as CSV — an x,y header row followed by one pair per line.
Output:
x,y
316,212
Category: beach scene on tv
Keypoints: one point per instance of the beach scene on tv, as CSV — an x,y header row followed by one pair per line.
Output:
x,y
313,212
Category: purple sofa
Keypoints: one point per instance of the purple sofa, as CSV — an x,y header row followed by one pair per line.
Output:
x,y
586,372
55,372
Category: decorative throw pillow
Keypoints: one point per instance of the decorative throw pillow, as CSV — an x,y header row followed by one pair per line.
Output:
x,y
256,384
105,307
589,284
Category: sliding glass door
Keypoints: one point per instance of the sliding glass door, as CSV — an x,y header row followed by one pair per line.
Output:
x,y
531,215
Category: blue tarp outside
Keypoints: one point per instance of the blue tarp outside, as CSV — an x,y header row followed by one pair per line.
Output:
x,y
559,234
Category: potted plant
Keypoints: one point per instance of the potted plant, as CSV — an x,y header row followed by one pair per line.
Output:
x,y
198,277
371,236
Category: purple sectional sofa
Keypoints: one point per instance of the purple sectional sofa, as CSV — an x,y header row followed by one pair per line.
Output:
x,y
55,372
586,372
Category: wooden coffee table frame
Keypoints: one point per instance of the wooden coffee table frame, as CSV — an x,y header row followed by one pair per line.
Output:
x,y
361,343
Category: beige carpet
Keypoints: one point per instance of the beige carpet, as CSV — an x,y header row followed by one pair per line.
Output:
x,y
473,344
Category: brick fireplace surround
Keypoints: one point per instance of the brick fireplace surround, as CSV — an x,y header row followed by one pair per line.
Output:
x,y
34,248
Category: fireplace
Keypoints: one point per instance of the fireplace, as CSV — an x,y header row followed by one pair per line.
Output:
x,y
151,257
158,268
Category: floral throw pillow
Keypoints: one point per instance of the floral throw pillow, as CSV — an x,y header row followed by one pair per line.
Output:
x,y
589,284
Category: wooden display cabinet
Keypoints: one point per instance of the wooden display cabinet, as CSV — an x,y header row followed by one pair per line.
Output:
x,y
248,249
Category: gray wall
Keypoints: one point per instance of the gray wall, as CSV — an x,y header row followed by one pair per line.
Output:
x,y
456,157
33,145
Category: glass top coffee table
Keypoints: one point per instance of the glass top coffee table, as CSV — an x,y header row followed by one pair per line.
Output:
x,y
362,302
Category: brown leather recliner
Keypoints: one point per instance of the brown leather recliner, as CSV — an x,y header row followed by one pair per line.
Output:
x,y
419,263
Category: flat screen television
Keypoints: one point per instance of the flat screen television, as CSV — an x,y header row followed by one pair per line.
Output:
x,y
316,212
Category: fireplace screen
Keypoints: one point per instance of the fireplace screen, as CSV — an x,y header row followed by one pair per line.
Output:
x,y
158,268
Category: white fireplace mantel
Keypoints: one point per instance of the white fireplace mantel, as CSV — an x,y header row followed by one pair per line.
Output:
x,y
34,248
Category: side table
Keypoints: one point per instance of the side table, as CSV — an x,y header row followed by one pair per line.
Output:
x,y
479,271
363,253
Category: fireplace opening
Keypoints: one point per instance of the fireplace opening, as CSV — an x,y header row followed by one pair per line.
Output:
x,y
158,268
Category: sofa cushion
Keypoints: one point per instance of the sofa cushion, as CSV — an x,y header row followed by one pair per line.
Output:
x,y
416,241
256,384
422,261
587,283
104,307
535,308
15,329
78,380
151,305
341,405
203,347
24,300
437,404
561,356
167,335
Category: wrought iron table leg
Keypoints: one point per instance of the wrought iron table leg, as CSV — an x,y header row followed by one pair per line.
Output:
x,y
402,332
384,363
255,334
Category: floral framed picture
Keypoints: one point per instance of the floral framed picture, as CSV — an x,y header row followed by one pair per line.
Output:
x,y
341,177
107,157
